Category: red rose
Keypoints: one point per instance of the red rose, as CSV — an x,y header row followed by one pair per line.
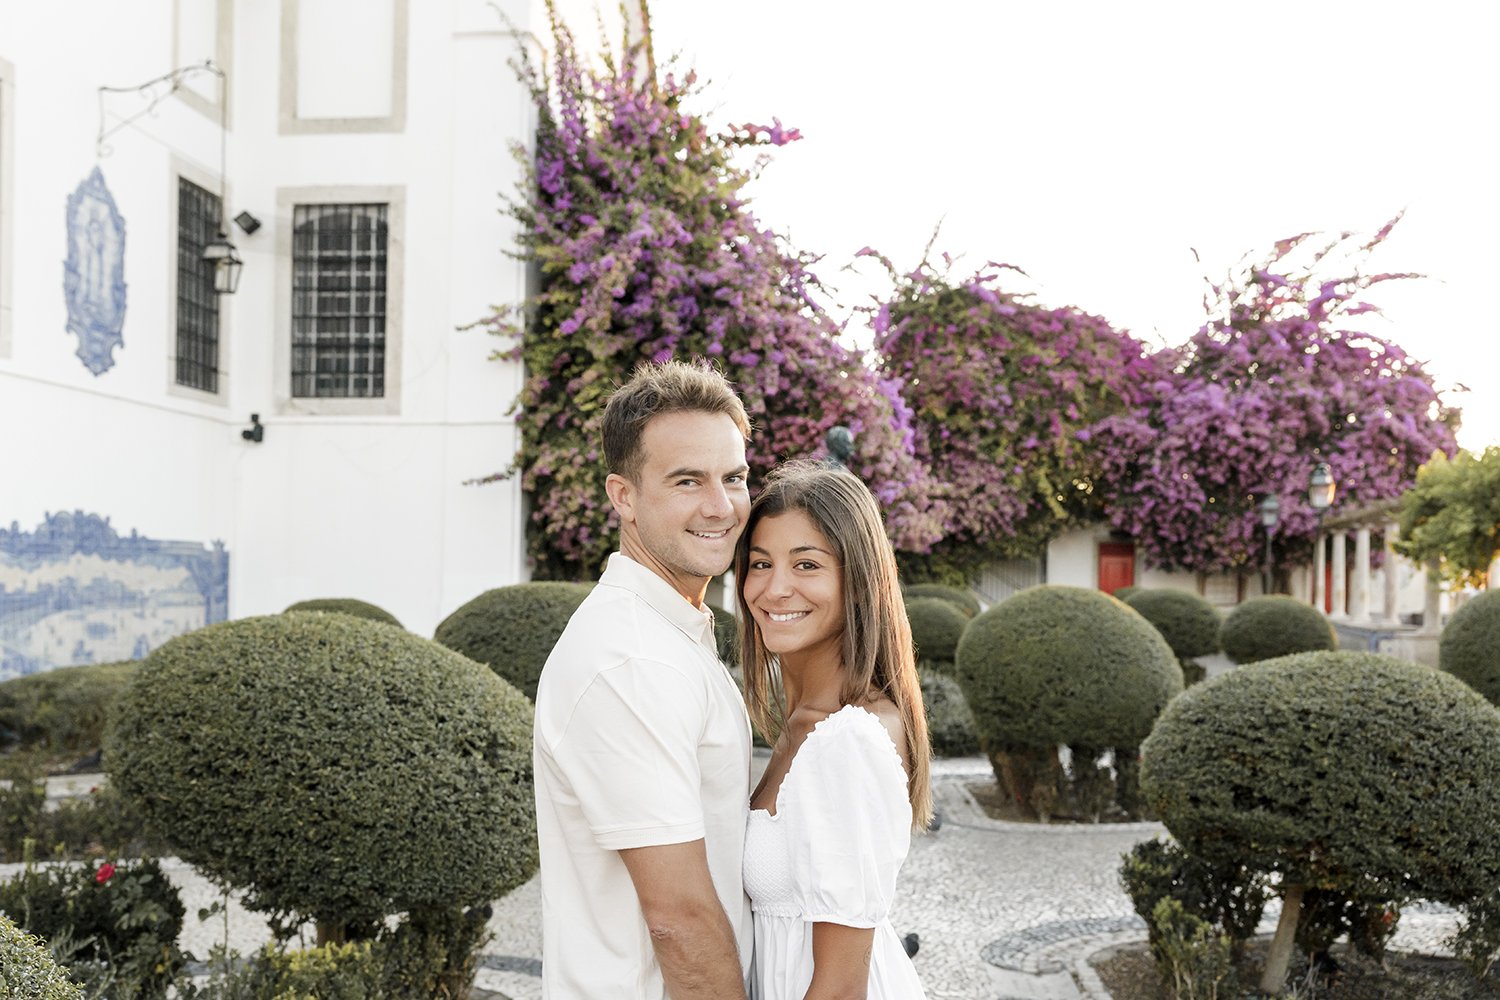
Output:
x,y
105,873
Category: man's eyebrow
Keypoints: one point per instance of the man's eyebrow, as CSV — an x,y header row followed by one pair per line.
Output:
x,y
700,474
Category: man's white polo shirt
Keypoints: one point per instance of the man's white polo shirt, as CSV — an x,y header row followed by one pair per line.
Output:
x,y
641,739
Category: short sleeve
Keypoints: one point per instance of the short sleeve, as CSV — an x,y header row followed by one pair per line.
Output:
x,y
848,820
630,755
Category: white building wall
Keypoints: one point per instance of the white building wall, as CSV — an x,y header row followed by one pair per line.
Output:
x,y
362,504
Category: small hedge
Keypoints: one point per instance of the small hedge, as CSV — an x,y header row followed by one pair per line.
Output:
x,y
1341,770
347,606
950,724
334,768
513,629
27,971
727,636
936,627
1470,646
959,597
1264,628
1065,665
1188,622
61,711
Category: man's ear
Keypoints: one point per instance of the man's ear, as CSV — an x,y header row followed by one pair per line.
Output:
x,y
621,495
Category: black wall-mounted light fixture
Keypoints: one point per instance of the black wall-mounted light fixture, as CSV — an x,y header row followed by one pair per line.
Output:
x,y
256,432
247,222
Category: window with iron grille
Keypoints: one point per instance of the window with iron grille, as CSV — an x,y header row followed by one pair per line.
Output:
x,y
338,300
198,214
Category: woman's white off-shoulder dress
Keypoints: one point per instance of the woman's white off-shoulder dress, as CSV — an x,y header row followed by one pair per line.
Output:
x,y
830,854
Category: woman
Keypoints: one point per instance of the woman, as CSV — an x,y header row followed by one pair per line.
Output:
x,y
847,781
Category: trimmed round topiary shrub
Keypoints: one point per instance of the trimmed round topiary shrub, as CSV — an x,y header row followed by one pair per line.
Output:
x,y
61,711
334,768
1341,770
936,627
1188,622
1470,646
959,597
27,971
512,629
1064,665
1264,628
950,724
347,606
1125,593
1057,665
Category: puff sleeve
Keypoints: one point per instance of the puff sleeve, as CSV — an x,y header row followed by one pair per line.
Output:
x,y
848,820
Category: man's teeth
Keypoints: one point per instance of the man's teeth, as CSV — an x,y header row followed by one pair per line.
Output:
x,y
711,534
788,617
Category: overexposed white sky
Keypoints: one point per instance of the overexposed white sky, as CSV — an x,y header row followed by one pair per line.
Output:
x,y
1095,144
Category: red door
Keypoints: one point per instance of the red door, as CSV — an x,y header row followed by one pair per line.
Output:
x,y
1116,566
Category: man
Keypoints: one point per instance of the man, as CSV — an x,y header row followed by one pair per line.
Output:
x,y
641,743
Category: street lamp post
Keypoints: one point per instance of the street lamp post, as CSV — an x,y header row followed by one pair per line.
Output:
x,y
1270,513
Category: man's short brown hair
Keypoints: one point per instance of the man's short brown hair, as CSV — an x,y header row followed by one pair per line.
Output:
x,y
657,388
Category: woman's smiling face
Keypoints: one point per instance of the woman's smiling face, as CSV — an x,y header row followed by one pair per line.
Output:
x,y
794,586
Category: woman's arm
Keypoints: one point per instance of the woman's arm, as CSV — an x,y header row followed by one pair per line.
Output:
x,y
841,962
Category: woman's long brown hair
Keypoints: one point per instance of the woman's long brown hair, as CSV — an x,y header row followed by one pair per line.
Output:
x,y
877,646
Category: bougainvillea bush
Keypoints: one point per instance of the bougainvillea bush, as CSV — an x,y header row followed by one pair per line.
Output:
x,y
1277,380
646,249
1004,391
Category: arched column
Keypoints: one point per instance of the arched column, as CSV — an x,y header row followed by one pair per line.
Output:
x,y
1388,574
1320,572
1340,565
1359,599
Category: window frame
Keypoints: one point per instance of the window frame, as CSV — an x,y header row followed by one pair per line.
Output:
x,y
288,122
223,58
185,170
287,200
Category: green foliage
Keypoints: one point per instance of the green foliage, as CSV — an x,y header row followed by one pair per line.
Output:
x,y
727,636
1188,622
27,971
513,629
1470,646
109,923
347,606
950,724
1064,665
1368,920
350,971
1195,963
1264,628
101,823
62,711
434,953
1340,770
960,597
1123,593
1226,895
1452,514
334,768
936,627
1477,941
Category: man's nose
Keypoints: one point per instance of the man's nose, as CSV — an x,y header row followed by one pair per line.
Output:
x,y
716,502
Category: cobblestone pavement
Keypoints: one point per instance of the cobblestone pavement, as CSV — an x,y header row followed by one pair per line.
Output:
x,y
1005,911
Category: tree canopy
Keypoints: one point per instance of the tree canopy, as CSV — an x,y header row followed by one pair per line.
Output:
x,y
1452,514
1275,382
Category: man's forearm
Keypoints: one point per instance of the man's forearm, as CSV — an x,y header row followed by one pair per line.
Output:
x,y
698,957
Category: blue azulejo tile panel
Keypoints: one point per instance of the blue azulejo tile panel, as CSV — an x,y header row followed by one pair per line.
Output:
x,y
76,591
94,273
